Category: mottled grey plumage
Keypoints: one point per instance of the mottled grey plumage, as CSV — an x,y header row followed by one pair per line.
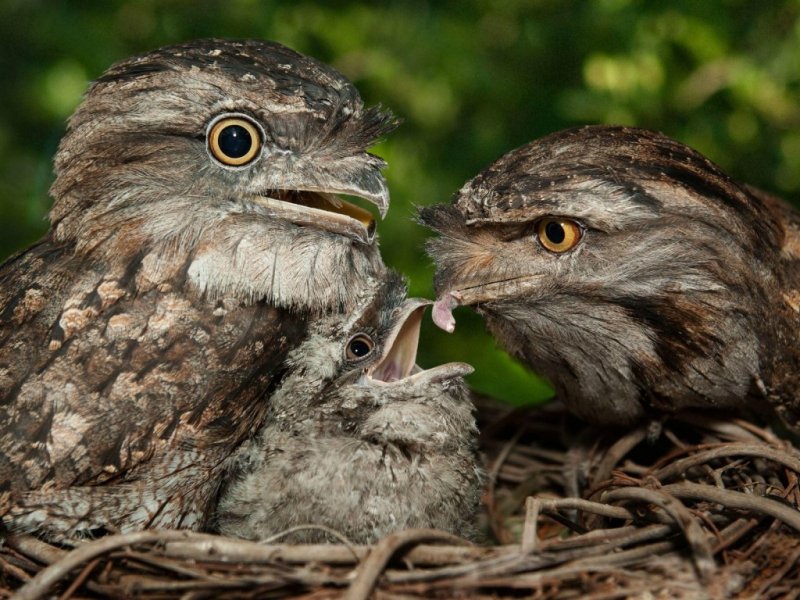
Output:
x,y
363,445
683,291
140,338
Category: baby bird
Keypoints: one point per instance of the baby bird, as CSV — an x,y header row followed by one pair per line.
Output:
x,y
358,438
632,272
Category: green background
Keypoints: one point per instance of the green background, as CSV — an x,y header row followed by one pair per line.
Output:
x,y
471,79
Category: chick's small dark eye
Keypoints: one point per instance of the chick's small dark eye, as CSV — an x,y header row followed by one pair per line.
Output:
x,y
234,141
359,347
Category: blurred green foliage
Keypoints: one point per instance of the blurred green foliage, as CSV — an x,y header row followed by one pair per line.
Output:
x,y
472,79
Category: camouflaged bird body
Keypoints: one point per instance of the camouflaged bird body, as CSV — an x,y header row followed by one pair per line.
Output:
x,y
363,445
124,391
140,339
681,291
781,380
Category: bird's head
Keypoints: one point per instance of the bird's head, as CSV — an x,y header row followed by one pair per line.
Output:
x,y
619,263
230,156
353,370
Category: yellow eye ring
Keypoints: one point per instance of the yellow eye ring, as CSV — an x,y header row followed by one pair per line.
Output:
x,y
558,235
359,346
234,141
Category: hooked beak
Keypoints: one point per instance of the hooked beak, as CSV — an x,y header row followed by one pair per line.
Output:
x,y
310,197
480,294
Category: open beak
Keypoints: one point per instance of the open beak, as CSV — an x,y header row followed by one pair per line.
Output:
x,y
398,363
309,197
321,210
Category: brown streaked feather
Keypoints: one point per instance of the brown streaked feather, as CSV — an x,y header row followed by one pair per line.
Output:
x,y
104,378
141,339
682,292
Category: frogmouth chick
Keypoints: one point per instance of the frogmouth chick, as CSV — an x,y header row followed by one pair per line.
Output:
x,y
196,229
358,438
631,271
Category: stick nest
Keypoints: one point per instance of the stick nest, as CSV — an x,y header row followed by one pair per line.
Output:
x,y
696,507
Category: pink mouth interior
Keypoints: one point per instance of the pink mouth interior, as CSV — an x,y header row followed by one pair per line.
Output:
x,y
399,362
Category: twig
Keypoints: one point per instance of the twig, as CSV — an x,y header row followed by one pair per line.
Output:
x,y
76,583
35,549
619,537
679,467
38,586
701,549
764,434
14,571
370,570
503,563
618,451
332,532
578,453
529,536
598,508
247,552
628,557
758,504
734,532
527,573
159,562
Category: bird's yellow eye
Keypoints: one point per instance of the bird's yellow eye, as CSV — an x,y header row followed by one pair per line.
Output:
x,y
360,346
234,141
558,235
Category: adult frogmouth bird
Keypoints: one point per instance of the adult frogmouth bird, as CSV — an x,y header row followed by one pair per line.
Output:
x,y
196,229
631,271
358,438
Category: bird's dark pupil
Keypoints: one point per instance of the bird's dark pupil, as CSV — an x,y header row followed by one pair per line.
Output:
x,y
359,348
235,141
555,232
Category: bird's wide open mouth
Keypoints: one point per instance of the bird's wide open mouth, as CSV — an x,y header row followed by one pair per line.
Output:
x,y
398,364
322,210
